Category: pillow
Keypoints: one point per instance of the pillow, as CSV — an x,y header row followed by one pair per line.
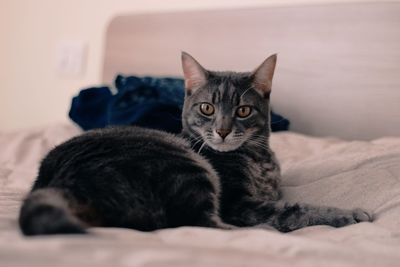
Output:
x,y
150,102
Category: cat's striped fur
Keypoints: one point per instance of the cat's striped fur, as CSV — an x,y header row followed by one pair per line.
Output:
x,y
219,173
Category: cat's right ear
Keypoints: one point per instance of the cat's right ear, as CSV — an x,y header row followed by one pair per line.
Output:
x,y
195,75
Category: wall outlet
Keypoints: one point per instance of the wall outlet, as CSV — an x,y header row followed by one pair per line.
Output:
x,y
71,58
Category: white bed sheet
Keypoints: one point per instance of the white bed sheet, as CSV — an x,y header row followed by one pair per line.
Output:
x,y
322,171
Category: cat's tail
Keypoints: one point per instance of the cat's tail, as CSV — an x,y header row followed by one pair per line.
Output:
x,y
45,212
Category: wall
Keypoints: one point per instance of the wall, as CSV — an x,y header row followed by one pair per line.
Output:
x,y
31,91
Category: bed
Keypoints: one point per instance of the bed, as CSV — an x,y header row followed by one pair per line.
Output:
x,y
324,160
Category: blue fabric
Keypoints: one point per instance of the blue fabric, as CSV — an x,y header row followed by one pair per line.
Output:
x,y
89,108
143,101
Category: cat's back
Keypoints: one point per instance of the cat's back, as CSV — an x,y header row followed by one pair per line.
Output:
x,y
122,140
125,150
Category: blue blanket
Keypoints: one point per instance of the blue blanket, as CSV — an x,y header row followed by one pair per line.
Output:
x,y
144,101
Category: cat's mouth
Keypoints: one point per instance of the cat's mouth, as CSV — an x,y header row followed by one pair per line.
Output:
x,y
224,145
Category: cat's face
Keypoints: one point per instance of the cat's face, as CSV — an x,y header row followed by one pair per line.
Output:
x,y
226,109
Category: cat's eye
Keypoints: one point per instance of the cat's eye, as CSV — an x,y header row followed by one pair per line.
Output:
x,y
207,109
243,111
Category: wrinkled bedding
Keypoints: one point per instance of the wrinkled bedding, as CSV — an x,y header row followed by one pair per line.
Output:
x,y
322,171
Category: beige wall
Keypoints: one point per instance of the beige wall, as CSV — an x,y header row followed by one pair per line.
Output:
x,y
31,91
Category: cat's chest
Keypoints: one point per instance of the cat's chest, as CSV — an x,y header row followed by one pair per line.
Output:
x,y
264,182
250,174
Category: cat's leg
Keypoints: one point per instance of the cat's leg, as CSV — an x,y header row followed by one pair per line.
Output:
x,y
48,211
287,217
218,223
193,200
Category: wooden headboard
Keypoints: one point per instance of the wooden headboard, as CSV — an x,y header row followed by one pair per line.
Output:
x,y
338,70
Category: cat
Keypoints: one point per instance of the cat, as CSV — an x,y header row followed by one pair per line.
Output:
x,y
220,172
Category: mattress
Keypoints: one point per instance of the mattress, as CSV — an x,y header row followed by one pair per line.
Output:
x,y
320,171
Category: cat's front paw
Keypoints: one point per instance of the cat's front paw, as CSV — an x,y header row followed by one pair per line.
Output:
x,y
352,217
360,215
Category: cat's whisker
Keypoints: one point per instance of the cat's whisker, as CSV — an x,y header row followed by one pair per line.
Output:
x,y
255,141
258,146
201,147
196,139
258,143
194,145
261,138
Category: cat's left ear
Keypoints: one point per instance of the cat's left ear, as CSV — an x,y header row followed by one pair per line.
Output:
x,y
195,75
262,76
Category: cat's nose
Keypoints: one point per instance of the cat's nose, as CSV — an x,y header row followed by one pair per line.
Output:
x,y
223,132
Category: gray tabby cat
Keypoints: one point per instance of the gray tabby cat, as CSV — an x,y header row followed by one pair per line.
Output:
x,y
219,173
227,117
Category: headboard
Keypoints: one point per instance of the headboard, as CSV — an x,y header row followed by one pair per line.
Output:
x,y
338,70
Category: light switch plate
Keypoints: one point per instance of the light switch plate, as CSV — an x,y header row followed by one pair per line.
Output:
x,y
71,58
